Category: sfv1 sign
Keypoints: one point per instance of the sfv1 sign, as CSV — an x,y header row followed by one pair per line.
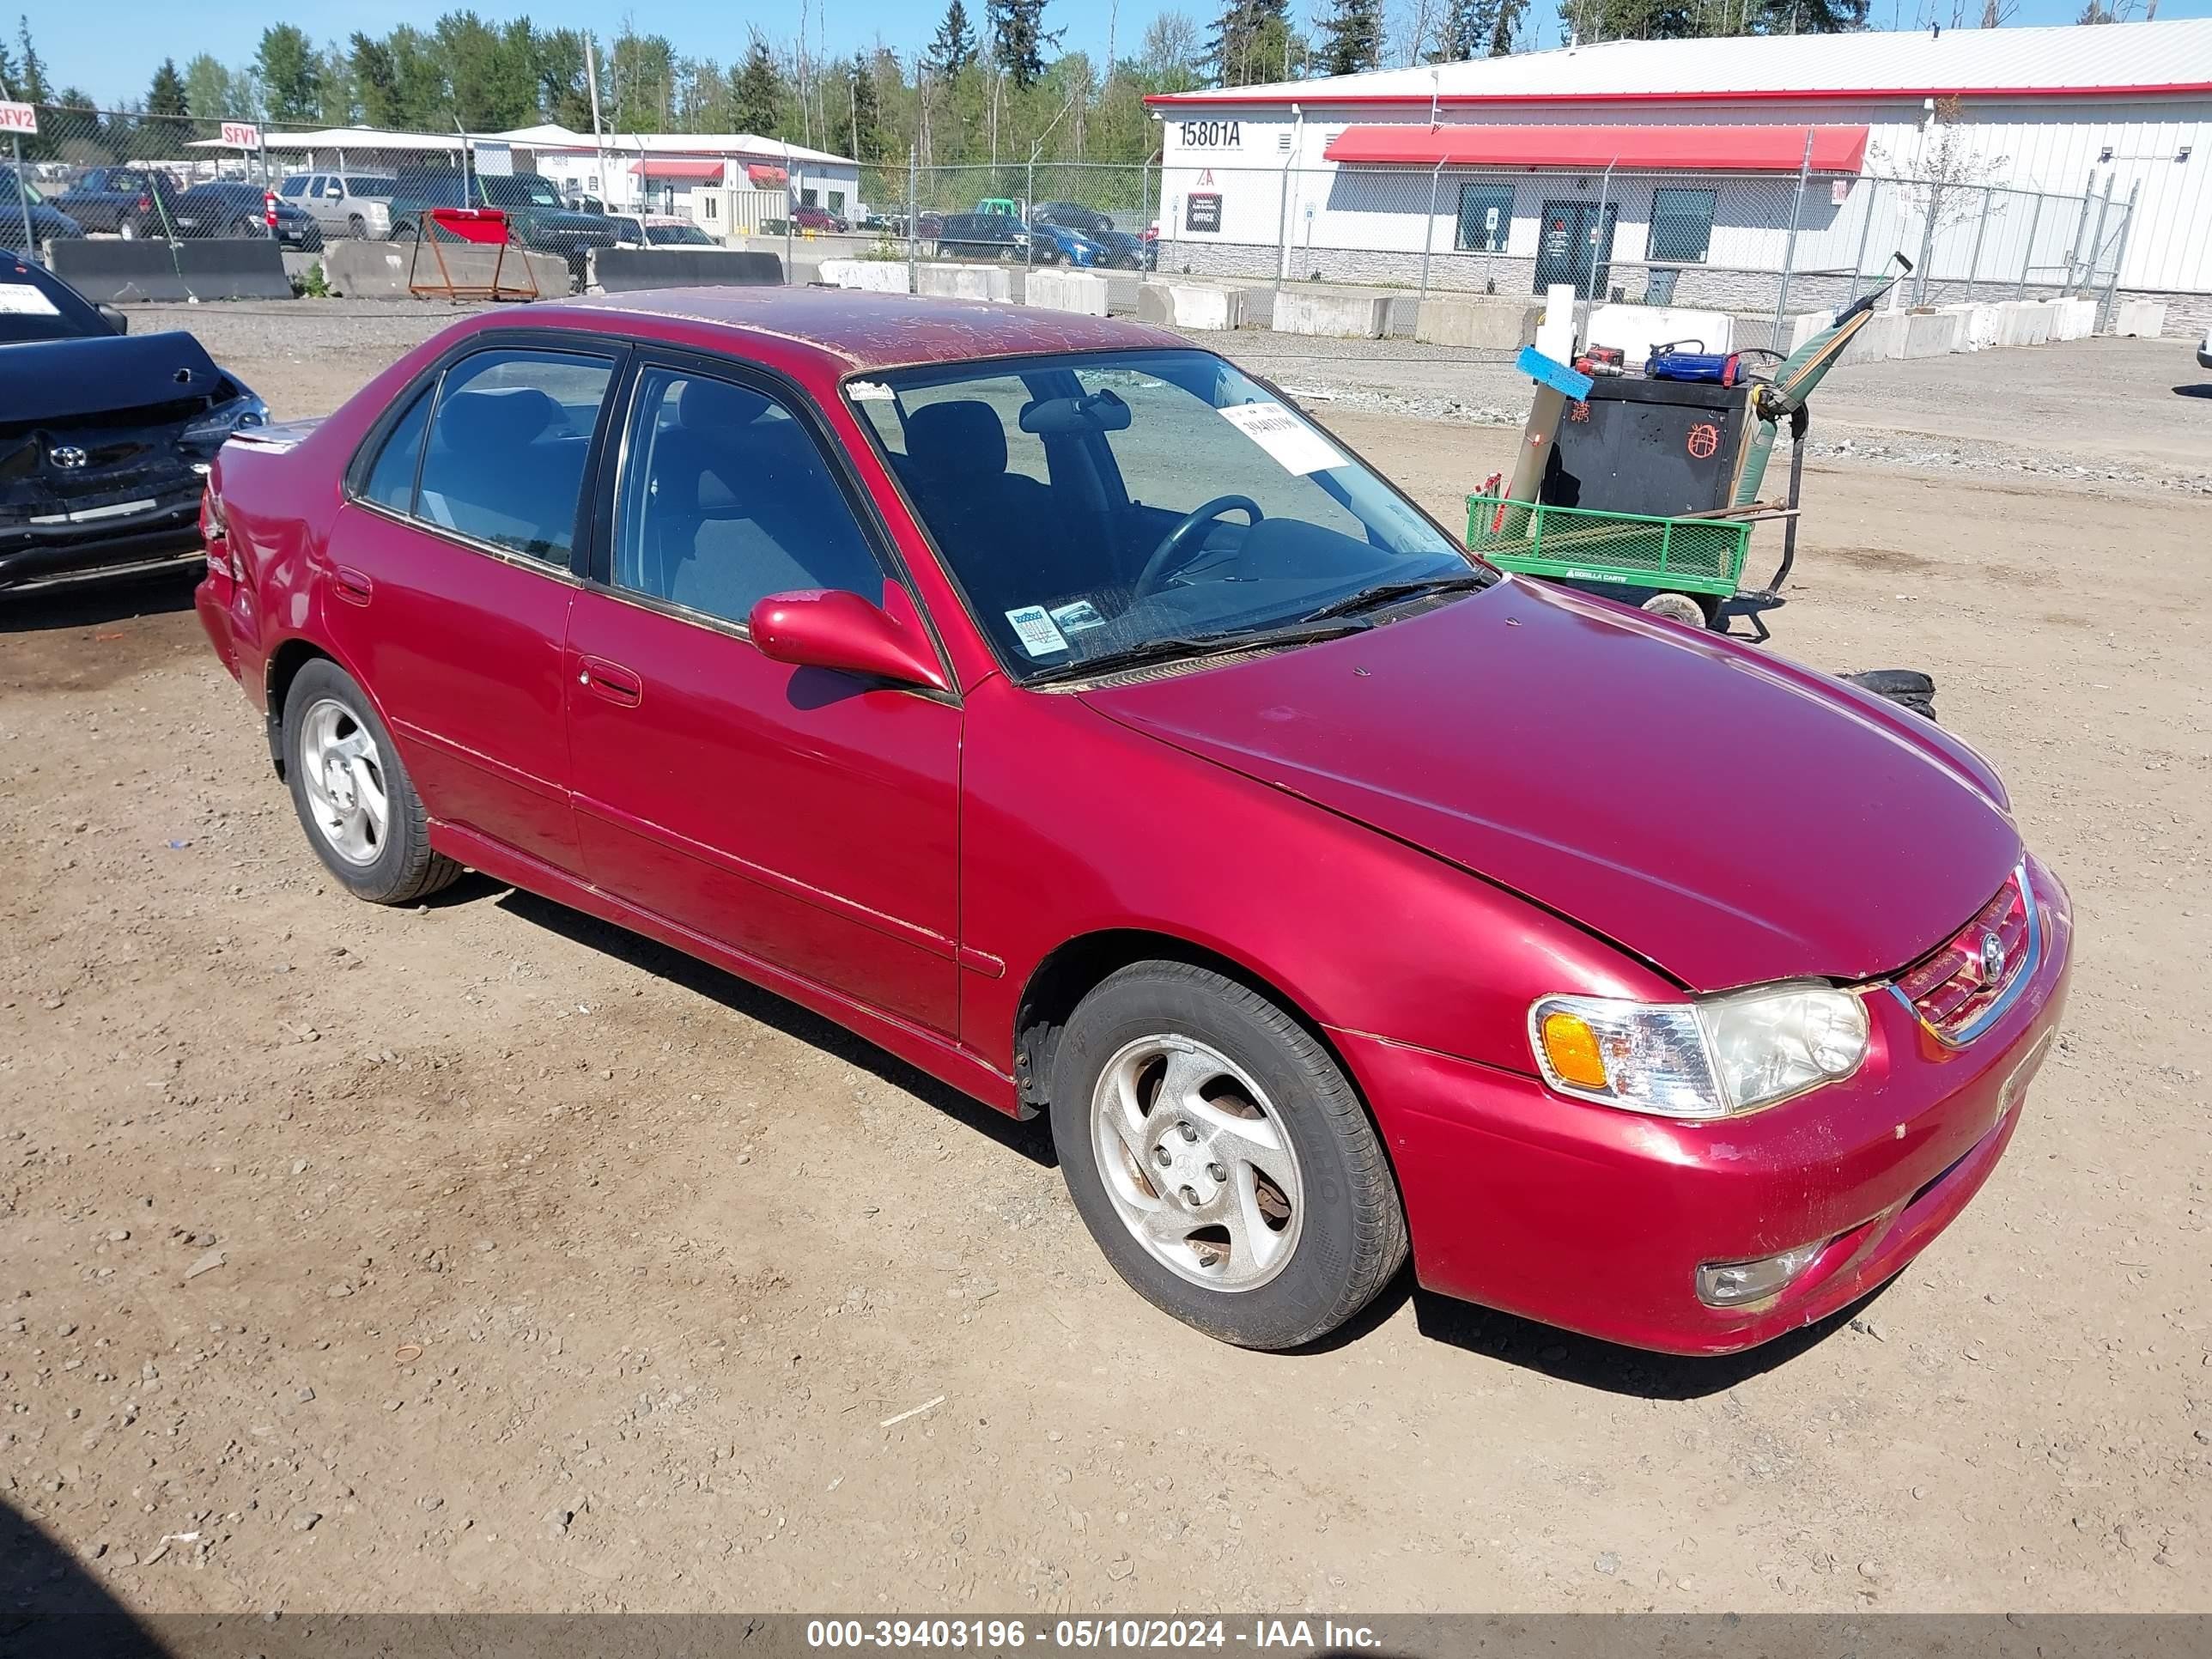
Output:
x,y
241,135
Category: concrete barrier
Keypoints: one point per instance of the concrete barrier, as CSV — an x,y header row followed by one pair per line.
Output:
x,y
870,276
378,271
1932,334
949,282
1637,330
2073,319
2023,322
1066,291
2140,319
1190,305
1977,325
1485,324
631,269
1331,313
116,272
1805,324
1880,338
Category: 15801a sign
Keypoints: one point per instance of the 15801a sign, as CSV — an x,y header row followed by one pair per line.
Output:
x,y
1213,135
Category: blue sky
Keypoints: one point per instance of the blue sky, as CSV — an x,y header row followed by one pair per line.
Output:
x,y
111,50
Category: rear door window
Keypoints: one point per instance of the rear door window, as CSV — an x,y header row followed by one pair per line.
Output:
x,y
509,437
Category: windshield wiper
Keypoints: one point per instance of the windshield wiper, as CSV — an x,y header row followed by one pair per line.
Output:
x,y
1302,632
1367,599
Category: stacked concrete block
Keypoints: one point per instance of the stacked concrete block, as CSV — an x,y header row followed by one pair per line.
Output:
x,y
870,276
1066,291
2142,319
1191,304
1331,313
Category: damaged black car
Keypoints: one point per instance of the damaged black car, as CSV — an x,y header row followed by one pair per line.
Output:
x,y
104,438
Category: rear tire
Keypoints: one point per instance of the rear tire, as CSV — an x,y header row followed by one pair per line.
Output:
x,y
1677,607
1220,1157
341,764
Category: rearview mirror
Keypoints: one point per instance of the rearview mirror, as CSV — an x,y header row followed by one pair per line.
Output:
x,y
832,629
1102,411
114,319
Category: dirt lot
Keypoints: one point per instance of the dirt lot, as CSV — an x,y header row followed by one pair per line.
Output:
x,y
480,1257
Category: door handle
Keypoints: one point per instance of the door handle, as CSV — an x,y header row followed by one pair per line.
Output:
x,y
610,680
352,586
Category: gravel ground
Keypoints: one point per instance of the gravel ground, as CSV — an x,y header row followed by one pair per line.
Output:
x,y
481,1257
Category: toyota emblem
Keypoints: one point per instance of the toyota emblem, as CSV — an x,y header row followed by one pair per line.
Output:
x,y
1992,958
68,457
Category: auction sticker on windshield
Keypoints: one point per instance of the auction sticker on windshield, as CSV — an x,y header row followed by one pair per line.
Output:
x,y
24,301
1035,630
1296,446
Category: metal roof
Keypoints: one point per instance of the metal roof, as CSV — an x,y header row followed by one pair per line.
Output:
x,y
549,136
2102,59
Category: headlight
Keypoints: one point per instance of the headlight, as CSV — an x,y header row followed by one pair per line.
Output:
x,y
220,422
1700,1059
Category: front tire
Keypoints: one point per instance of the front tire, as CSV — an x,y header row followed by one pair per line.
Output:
x,y
1220,1157
352,792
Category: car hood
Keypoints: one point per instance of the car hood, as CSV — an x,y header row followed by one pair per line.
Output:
x,y
1728,818
61,380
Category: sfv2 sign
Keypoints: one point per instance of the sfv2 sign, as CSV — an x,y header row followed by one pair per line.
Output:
x,y
18,118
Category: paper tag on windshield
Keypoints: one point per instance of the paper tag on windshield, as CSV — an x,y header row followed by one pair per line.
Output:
x,y
1297,448
1035,629
1074,618
21,300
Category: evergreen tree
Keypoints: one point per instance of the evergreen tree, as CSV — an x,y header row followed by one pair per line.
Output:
x,y
1350,38
1465,31
291,74
757,95
1018,41
1250,43
166,126
30,75
954,48
1508,23
864,126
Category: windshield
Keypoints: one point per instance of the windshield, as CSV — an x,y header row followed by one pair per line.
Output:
x,y
34,306
518,190
670,236
1133,505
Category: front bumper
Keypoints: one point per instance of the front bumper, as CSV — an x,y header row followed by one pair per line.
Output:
x,y
36,552
1597,1220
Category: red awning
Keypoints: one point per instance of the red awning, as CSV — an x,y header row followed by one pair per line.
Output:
x,y
1695,149
695,168
766,177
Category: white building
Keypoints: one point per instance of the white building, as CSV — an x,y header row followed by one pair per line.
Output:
x,y
660,172
2031,160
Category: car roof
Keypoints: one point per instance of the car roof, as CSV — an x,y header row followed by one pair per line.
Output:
x,y
844,328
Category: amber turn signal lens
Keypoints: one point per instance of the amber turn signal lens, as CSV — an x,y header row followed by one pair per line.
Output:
x,y
1572,1046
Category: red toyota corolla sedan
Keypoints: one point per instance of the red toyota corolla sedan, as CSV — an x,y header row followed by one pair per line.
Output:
x,y
1056,705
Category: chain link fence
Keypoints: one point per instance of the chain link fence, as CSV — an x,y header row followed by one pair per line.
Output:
x,y
1745,242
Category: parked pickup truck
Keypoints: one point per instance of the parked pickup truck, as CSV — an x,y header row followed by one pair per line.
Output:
x,y
535,214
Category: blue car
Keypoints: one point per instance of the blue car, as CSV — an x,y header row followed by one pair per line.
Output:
x,y
1073,246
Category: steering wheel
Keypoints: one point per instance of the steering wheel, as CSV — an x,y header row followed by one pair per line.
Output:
x,y
1183,543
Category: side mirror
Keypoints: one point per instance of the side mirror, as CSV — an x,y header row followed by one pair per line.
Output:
x,y
114,319
832,629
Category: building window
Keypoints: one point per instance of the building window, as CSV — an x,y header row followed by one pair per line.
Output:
x,y
1485,218
1682,226
806,196
836,201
